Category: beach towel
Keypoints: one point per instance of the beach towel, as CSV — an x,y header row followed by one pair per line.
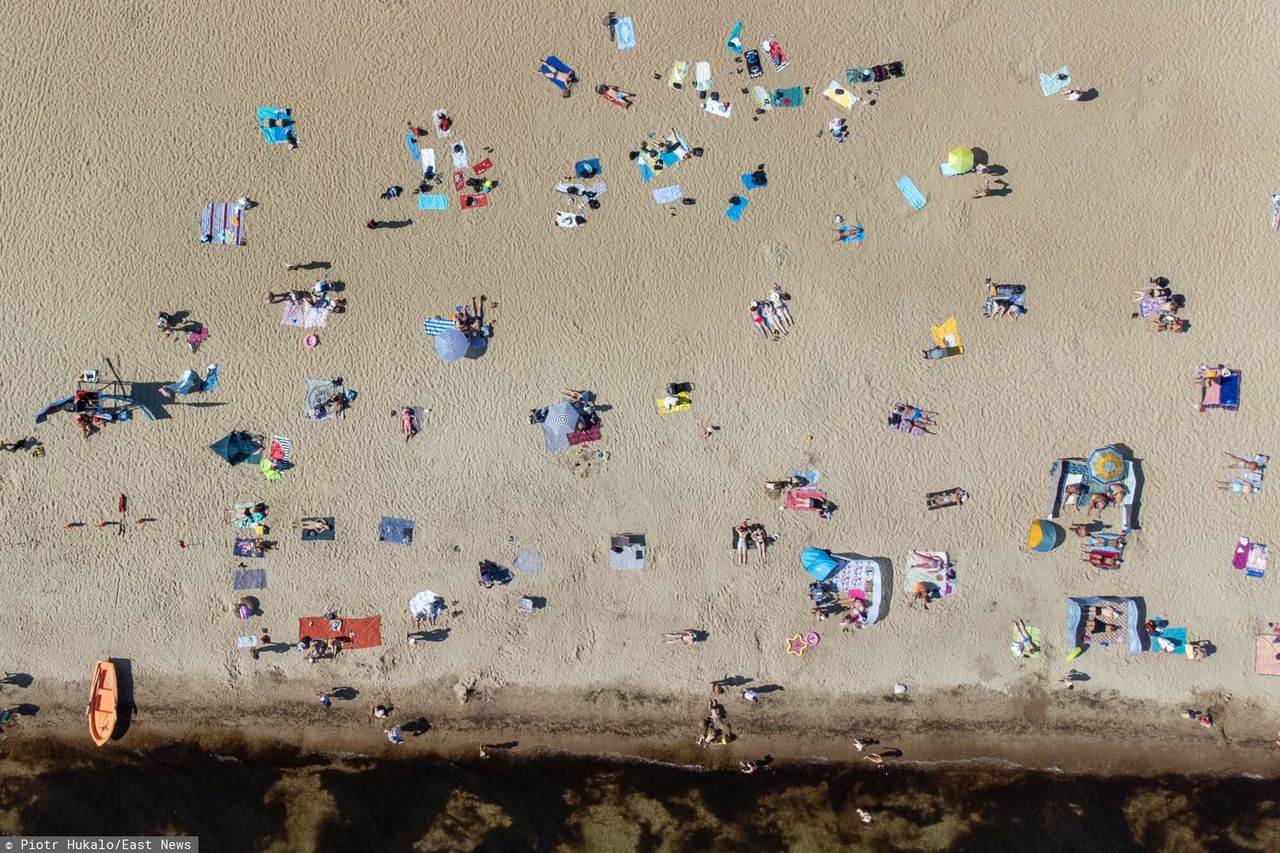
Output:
x,y
773,50
624,33
433,326
584,436
483,166
222,224
627,551
754,180
249,579
552,64
859,579
853,76
1150,307
909,191
761,98
363,633
458,151
734,42
1175,637
565,219
936,578
395,530
752,58
529,562
947,337
474,200
850,232
433,201
280,133
428,162
724,109
797,499
1015,638
586,168
684,403
1052,84
321,536
702,76
318,393
810,476
666,195
840,95
679,70
736,205
247,548
303,315
1266,655
1251,557
411,142
792,96
279,449
246,641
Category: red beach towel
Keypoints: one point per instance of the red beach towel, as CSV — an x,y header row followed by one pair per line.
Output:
x,y
364,633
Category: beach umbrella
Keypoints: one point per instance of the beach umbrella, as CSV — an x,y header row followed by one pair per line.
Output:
x,y
1106,465
960,158
561,419
422,602
451,345
236,447
1043,536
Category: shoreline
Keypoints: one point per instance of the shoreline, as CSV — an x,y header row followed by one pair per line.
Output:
x,y
1078,738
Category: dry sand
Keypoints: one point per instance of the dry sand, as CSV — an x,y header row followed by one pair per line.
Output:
x,y
125,119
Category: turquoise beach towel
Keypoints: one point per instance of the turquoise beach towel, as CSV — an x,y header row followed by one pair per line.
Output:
x,y
910,193
1052,84
435,325
1177,636
624,33
646,172
735,209
734,42
411,142
432,201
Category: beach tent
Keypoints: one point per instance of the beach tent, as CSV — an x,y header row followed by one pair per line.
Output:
x,y
236,447
1043,536
819,563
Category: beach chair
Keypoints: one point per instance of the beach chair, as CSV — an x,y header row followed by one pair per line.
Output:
x,y
943,499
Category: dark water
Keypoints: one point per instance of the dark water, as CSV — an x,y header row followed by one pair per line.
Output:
x,y
279,802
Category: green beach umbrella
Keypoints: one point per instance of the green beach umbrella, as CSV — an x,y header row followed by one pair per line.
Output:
x,y
960,158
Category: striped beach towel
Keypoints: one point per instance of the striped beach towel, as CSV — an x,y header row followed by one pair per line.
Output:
x,y
222,224
281,448
909,191
433,326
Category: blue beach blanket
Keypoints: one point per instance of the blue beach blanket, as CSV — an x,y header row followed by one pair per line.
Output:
x,y
553,63
397,530
274,135
587,168
435,325
749,181
432,201
411,142
734,42
646,171
624,33
735,208
1177,636
909,191
1052,84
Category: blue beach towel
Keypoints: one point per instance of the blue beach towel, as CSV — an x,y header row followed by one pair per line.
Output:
x,y
432,201
910,193
666,195
398,530
736,207
734,42
553,63
587,168
249,579
624,33
1052,84
1177,636
749,181
435,325
646,171
274,135
949,172
411,142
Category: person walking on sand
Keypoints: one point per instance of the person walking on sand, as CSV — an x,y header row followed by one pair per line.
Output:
x,y
380,712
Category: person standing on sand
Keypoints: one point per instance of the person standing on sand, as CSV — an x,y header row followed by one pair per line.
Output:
x,y
395,735
326,699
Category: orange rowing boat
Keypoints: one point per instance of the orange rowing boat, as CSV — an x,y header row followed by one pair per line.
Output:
x,y
104,696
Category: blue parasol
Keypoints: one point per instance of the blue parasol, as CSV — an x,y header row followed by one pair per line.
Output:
x,y
451,345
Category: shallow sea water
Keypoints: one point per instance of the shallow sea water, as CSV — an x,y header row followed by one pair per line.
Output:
x,y
299,803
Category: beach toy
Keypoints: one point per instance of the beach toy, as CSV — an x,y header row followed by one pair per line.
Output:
x,y
812,638
1043,536
310,341
244,611
1075,653
796,644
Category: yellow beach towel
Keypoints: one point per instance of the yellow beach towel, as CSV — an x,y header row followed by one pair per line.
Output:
x,y
683,401
947,335
840,95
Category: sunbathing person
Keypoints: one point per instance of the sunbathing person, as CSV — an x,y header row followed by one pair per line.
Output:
x,y
1168,323
757,537
614,95
1103,561
757,317
312,525
555,76
1024,647
929,561
408,423
1097,503
920,596
915,413
1241,463
291,296
339,404
771,319
743,533
780,307
688,637
1236,487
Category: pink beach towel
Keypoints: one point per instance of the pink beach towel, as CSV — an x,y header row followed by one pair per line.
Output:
x,y
798,499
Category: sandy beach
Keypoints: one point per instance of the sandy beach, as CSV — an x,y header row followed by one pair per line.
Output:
x,y
126,120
